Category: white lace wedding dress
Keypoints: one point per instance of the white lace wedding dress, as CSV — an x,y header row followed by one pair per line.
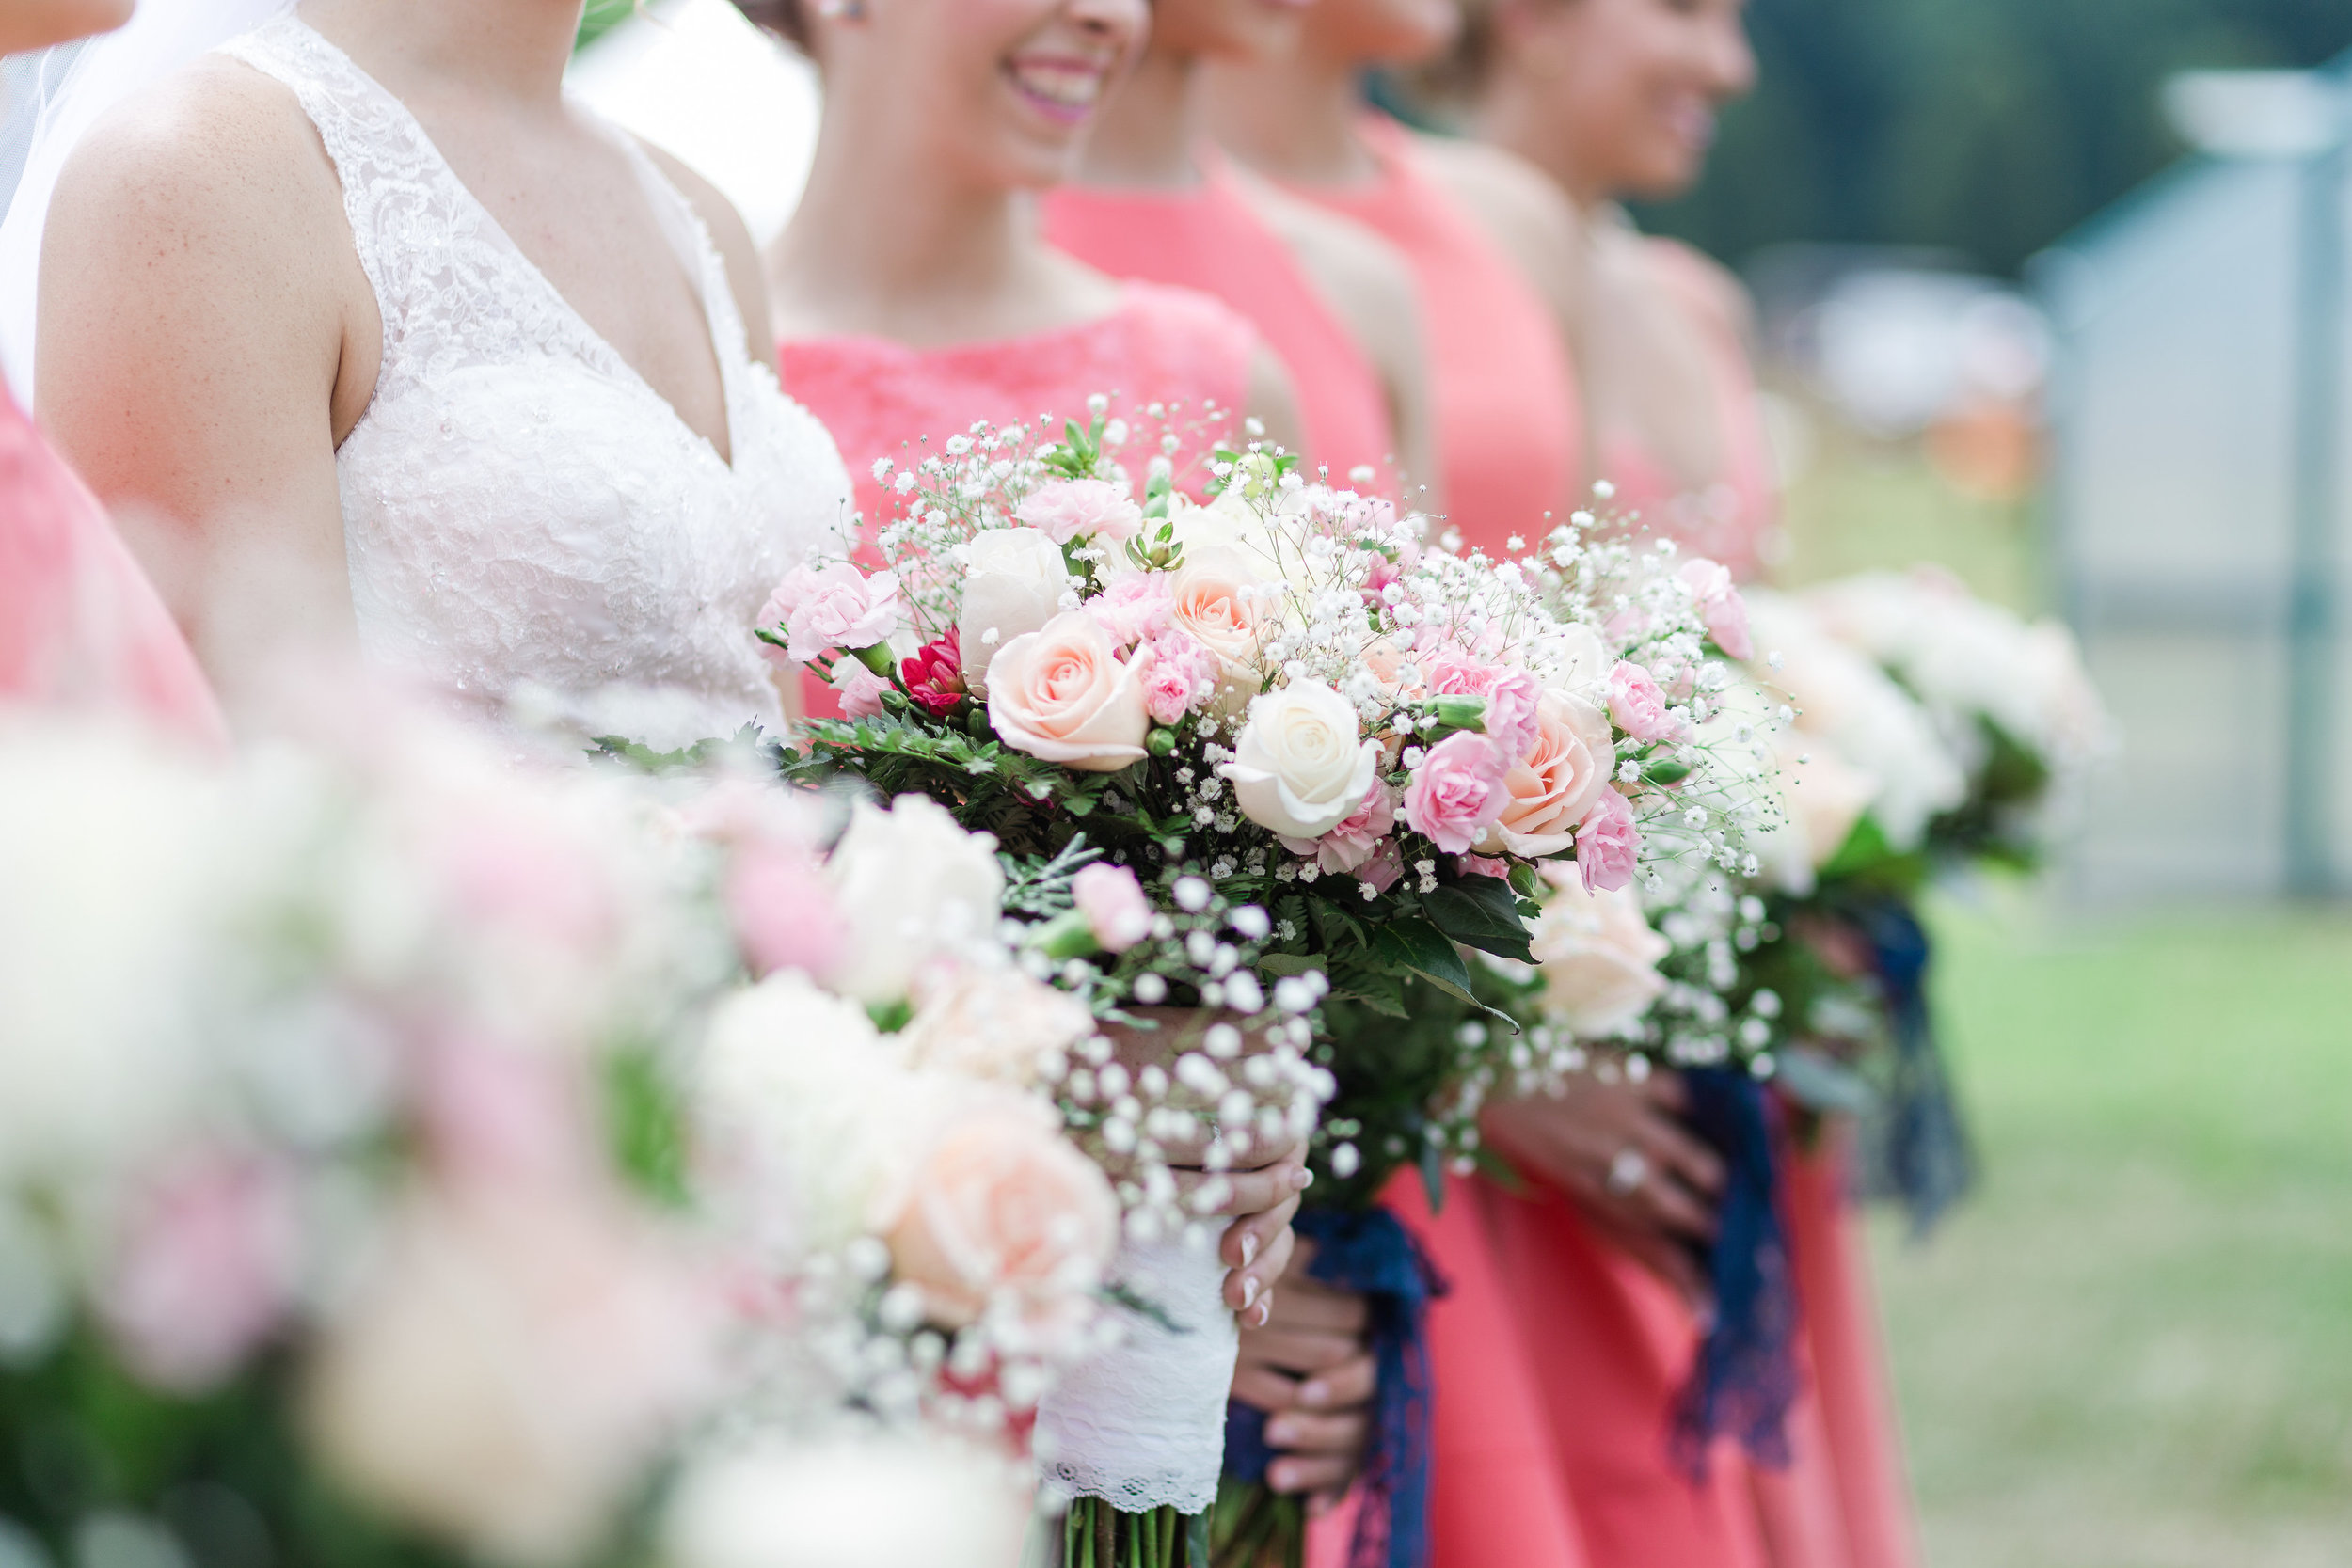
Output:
x,y
524,515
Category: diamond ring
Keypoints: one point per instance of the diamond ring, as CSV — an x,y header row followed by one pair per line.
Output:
x,y
1627,1172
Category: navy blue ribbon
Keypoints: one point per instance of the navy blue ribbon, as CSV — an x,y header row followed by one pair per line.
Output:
x,y
1746,1375
1916,1147
1370,1253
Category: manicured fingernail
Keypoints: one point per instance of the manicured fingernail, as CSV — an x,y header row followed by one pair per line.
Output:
x,y
1283,1478
1248,1248
1302,1179
1248,1291
1265,1310
1282,1433
1315,1393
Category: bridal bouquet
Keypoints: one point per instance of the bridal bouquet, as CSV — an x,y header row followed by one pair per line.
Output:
x,y
1277,699
325,1225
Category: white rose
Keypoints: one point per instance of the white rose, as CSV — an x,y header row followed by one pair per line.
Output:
x,y
508,1370
1597,956
1013,581
911,885
1300,767
1580,664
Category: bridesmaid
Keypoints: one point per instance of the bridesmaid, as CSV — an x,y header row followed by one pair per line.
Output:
x,y
1157,201
1478,230
1615,99
937,303
80,624
918,313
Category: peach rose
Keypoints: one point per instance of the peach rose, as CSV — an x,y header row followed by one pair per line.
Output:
x,y
1063,695
1557,781
1005,1214
1208,603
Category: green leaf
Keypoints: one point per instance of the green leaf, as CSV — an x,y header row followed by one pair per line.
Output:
x,y
1481,912
1417,947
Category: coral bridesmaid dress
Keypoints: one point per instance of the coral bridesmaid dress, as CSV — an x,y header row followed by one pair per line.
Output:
x,y
1211,239
1509,420
1612,1345
881,399
79,625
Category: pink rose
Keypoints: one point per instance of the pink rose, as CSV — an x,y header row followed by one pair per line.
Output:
x,y
1113,902
1063,695
1637,704
1005,1212
1608,844
1133,607
1555,782
838,606
1482,865
1349,846
1512,696
781,906
1382,870
1457,791
935,676
206,1271
1073,509
860,689
1720,605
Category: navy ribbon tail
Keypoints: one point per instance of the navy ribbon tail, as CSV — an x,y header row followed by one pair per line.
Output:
x,y
1369,1252
1916,1148
1746,1376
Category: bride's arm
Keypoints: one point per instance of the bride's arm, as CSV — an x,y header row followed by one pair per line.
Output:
x,y
206,337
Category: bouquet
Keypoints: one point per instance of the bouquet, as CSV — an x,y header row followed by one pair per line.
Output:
x,y
1280,699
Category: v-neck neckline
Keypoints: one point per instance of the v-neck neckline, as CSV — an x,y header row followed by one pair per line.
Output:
x,y
616,363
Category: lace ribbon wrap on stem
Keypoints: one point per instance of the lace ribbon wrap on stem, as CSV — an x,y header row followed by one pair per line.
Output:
x,y
1142,1425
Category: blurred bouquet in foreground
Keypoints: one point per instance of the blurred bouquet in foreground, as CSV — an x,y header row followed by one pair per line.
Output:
x,y
321,1238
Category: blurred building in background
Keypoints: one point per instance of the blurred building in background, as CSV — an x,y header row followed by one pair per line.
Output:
x,y
2202,501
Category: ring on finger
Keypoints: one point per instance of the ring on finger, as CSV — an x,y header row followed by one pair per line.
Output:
x,y
1627,1172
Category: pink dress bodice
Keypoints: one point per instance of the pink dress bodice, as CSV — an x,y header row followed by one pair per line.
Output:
x,y
1168,346
79,625
1171,347
1730,519
1509,419
1211,239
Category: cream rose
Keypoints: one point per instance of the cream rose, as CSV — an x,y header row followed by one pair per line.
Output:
x,y
1013,583
911,885
1007,1216
1557,781
1580,664
1597,956
1301,766
1062,695
990,1021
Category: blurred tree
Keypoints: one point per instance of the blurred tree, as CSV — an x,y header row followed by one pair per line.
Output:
x,y
1988,127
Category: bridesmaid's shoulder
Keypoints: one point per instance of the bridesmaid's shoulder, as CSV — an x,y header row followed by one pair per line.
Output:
x,y
218,149
1516,204
1710,288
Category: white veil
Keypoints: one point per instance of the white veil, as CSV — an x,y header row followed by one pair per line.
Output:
x,y
162,37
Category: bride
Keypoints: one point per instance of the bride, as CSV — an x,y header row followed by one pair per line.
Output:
x,y
426,361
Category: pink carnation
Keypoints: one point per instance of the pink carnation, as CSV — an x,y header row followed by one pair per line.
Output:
x,y
838,606
1483,865
1073,509
860,689
1113,902
1382,870
1353,843
1608,844
1457,792
1133,607
1725,611
1178,672
1637,704
206,1271
1512,696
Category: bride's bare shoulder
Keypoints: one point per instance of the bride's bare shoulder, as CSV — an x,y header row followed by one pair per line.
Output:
x,y
218,154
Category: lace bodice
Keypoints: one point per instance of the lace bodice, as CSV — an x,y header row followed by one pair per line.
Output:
x,y
522,512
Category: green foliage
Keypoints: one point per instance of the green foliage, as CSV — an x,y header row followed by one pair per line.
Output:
x,y
1985,127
